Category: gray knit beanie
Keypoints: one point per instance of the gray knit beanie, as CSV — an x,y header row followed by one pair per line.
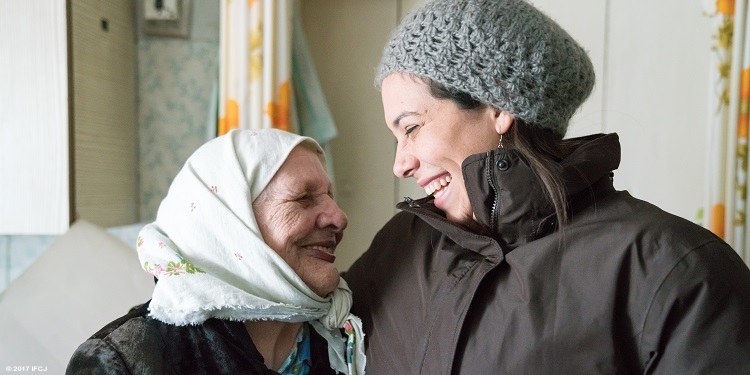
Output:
x,y
505,53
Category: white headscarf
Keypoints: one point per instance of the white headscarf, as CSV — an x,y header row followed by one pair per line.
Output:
x,y
207,251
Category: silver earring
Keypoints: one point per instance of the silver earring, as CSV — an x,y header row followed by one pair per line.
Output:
x,y
500,144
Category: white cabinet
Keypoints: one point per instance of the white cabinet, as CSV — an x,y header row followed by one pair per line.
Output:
x,y
67,114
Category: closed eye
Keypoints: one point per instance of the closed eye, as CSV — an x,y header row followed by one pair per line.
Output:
x,y
410,129
305,199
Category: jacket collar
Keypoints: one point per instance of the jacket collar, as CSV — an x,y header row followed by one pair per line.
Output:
x,y
509,199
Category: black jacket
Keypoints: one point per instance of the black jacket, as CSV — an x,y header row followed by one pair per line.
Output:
x,y
137,344
624,288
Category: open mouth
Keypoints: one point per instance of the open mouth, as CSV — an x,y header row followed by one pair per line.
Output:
x,y
435,187
322,253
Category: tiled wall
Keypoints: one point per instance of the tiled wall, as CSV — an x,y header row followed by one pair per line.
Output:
x,y
175,83
19,252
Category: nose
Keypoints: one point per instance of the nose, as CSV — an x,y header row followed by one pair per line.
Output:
x,y
333,217
404,164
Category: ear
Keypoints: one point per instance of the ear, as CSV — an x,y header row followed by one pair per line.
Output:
x,y
503,121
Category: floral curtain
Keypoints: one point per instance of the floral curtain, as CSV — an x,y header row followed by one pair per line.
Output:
x,y
255,64
726,190
267,76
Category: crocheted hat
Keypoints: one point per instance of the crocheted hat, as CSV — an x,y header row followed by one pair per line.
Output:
x,y
505,53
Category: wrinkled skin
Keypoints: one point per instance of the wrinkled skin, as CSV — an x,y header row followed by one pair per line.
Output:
x,y
299,219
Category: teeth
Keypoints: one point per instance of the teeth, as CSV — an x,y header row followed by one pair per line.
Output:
x,y
438,193
436,185
322,248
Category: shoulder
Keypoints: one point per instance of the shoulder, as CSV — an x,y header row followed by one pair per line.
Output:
x,y
631,224
402,222
116,347
655,249
660,247
700,307
137,313
702,268
138,344
403,227
692,289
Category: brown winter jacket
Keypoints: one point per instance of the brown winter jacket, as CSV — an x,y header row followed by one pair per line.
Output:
x,y
624,288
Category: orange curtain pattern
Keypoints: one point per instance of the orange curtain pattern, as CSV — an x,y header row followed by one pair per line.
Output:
x,y
726,188
255,65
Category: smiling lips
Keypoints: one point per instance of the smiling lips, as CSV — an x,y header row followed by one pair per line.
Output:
x,y
437,185
322,253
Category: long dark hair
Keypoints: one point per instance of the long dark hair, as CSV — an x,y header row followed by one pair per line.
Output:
x,y
542,148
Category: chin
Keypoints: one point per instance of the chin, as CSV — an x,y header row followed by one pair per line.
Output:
x,y
326,287
459,219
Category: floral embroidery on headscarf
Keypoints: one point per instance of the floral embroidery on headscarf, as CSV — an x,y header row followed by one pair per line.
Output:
x,y
180,267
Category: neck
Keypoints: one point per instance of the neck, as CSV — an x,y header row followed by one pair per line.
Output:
x,y
274,340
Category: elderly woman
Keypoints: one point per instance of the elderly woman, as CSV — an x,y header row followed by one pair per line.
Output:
x,y
243,250
524,258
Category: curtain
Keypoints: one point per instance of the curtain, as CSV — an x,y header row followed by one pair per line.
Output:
x,y
726,178
267,76
255,65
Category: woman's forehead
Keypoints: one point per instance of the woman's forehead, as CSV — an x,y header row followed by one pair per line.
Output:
x,y
302,171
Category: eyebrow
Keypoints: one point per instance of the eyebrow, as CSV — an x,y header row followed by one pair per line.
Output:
x,y
310,187
398,118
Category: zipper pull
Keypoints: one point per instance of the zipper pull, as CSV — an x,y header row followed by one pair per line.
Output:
x,y
411,202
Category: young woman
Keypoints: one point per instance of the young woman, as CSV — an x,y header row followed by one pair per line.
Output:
x,y
523,258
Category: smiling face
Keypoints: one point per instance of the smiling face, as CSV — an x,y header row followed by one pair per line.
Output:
x,y
434,137
299,219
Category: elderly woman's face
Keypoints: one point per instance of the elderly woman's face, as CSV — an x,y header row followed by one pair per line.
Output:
x,y
299,219
434,137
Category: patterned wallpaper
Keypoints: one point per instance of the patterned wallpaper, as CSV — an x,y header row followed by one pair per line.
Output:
x,y
176,82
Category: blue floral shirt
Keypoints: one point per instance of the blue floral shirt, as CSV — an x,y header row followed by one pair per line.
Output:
x,y
299,362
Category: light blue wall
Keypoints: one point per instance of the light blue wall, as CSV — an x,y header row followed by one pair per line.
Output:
x,y
175,81
19,252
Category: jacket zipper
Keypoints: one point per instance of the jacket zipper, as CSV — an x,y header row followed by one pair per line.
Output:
x,y
496,196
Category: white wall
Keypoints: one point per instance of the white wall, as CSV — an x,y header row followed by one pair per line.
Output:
x,y
656,98
651,60
652,89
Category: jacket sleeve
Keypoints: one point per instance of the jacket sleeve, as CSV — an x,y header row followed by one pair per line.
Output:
x,y
95,357
699,320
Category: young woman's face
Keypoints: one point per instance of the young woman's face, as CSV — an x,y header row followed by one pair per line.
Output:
x,y
299,219
434,137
